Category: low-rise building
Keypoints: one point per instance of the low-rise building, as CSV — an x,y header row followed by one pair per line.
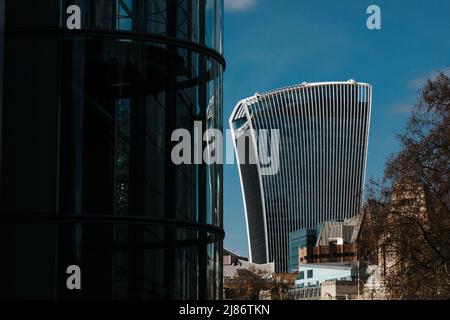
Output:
x,y
232,258
311,275
328,290
304,238
308,293
234,271
337,242
339,290
241,278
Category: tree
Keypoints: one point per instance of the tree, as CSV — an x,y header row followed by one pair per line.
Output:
x,y
252,282
413,225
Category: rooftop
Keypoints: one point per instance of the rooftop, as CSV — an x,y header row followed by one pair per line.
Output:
x,y
239,110
228,252
337,265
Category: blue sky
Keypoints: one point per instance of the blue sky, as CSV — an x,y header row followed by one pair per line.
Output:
x,y
271,44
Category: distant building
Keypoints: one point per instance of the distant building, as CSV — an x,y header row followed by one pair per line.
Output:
x,y
304,238
312,275
324,131
339,290
231,258
338,264
329,290
338,241
233,272
241,277
337,281
307,293
408,200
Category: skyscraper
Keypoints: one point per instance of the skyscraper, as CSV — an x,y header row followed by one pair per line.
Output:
x,y
324,130
90,94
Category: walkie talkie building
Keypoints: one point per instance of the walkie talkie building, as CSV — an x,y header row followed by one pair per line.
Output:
x,y
324,130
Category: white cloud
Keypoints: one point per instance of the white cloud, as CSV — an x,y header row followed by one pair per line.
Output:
x,y
401,109
420,82
239,5
406,107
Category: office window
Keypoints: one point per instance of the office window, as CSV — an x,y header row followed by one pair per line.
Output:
x,y
310,274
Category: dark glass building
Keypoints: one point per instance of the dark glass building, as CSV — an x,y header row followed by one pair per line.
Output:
x,y
90,93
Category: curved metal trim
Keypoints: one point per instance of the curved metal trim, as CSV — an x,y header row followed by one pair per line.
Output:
x,y
146,245
128,35
98,219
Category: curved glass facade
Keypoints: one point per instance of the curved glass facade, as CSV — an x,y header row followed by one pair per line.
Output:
x,y
86,173
324,130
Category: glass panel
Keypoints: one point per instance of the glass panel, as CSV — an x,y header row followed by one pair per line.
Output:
x,y
182,19
111,199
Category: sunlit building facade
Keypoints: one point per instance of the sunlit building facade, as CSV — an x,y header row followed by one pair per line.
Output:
x,y
324,131
90,93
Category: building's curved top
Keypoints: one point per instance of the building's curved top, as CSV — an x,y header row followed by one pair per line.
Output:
x,y
239,110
